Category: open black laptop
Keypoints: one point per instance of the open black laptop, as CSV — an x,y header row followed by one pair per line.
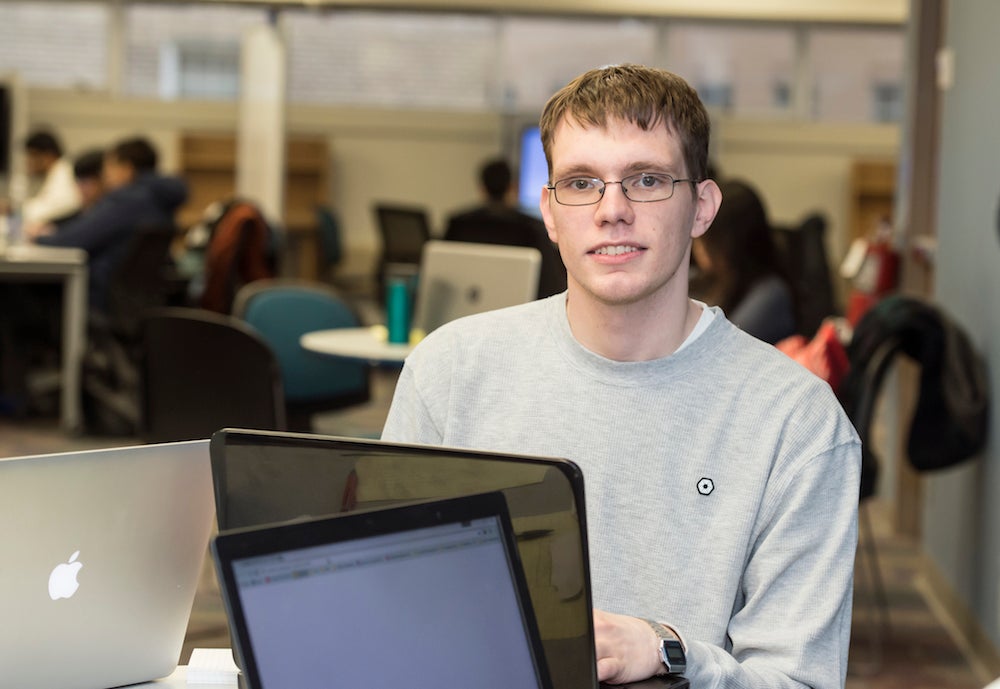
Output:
x,y
265,477
432,594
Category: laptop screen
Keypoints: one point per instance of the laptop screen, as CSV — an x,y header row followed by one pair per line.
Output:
x,y
434,605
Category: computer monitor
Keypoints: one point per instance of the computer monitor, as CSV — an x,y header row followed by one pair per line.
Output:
x,y
533,171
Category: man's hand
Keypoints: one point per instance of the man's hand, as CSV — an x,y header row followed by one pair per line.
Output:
x,y
627,648
33,231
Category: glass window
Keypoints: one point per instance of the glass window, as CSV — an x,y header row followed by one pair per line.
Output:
x,y
425,60
857,74
460,61
539,56
55,45
745,70
185,51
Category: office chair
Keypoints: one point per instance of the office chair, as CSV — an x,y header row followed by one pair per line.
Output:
x,y
330,257
859,394
404,230
950,420
203,371
331,244
803,252
142,280
239,251
284,310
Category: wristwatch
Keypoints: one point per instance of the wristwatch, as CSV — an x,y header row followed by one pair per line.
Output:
x,y
671,649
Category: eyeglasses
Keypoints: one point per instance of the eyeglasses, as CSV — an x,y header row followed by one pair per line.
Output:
x,y
644,187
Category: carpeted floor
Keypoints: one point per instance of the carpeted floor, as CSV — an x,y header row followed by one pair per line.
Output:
x,y
914,651
913,648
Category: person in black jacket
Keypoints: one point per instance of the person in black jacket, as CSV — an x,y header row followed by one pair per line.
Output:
x,y
136,197
498,221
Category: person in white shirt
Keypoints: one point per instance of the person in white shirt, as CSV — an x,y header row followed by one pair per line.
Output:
x,y
57,195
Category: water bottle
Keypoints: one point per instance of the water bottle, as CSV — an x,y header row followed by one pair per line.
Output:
x,y
397,310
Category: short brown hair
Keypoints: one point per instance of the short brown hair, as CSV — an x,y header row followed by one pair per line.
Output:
x,y
645,96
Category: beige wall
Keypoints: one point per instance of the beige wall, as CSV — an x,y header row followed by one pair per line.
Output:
x,y
431,159
804,167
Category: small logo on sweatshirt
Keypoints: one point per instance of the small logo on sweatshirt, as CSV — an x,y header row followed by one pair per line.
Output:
x,y
706,486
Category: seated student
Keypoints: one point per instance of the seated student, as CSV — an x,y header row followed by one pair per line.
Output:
x,y
136,196
57,194
498,221
722,477
87,170
740,270
31,315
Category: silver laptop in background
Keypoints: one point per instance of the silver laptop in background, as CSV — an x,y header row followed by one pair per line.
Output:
x,y
102,552
462,278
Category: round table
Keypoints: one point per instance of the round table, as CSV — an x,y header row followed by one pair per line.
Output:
x,y
369,344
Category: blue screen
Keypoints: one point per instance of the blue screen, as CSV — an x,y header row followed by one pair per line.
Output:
x,y
533,172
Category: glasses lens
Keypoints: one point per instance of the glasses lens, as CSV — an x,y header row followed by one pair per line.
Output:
x,y
648,186
578,191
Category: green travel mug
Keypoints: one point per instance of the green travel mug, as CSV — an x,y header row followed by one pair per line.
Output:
x,y
397,310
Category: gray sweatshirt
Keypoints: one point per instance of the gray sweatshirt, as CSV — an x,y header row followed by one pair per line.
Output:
x,y
721,481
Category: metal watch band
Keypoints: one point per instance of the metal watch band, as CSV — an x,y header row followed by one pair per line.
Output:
x,y
671,649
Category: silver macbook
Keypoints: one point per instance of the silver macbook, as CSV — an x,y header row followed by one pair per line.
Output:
x,y
462,278
102,551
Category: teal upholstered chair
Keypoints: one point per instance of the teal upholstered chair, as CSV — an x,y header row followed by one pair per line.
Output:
x,y
282,311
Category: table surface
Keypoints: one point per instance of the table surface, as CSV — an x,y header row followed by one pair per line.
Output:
x,y
368,344
178,680
33,263
31,256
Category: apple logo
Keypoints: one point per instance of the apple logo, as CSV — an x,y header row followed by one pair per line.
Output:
x,y
62,581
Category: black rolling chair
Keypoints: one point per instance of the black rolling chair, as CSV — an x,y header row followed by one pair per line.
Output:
x,y
404,231
803,251
859,394
331,242
203,371
950,421
144,279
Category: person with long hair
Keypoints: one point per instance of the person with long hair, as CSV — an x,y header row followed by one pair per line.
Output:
x,y
739,267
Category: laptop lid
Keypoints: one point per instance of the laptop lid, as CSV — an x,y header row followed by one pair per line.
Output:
x,y
264,477
102,554
462,278
431,594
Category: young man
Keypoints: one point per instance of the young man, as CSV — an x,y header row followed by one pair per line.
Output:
x,y
722,477
136,197
57,195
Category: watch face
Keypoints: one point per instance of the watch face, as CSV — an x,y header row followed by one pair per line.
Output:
x,y
675,654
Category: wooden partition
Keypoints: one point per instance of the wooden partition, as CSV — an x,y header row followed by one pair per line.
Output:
x,y
208,162
873,191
